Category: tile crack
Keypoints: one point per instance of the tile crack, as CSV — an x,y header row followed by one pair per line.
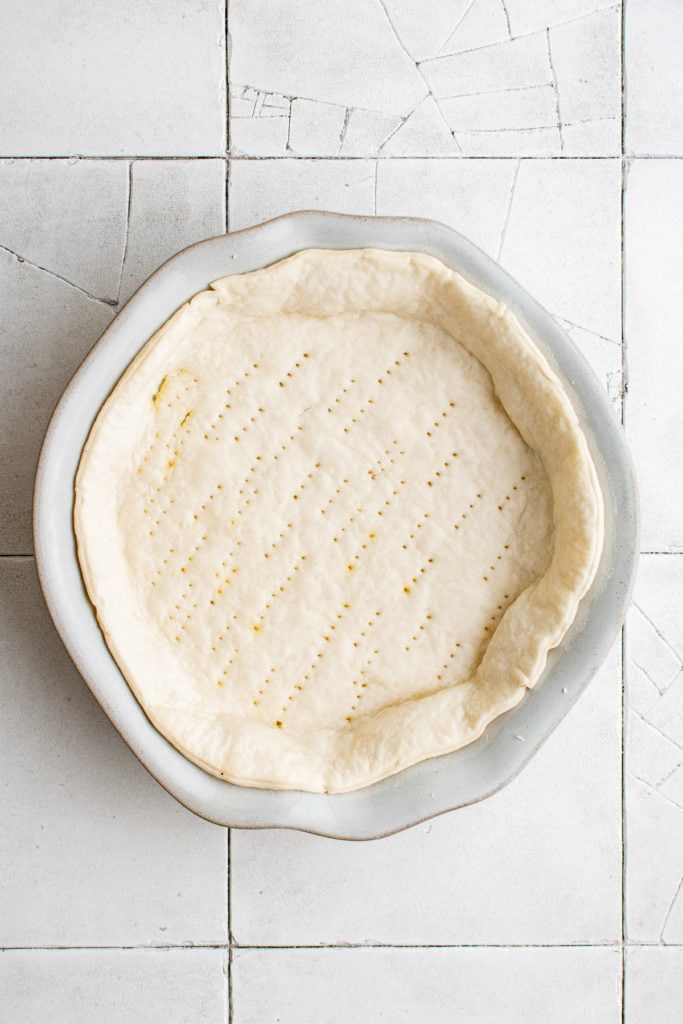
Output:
x,y
109,303
580,327
508,211
513,39
344,128
497,92
660,691
507,17
664,796
658,731
420,73
457,25
669,909
129,203
556,89
661,636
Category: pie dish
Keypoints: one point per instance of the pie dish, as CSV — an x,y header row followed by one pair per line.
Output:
x,y
483,765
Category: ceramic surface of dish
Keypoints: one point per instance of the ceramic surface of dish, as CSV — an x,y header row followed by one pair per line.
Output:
x,y
431,787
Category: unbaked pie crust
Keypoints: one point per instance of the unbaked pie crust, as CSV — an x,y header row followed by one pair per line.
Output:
x,y
332,518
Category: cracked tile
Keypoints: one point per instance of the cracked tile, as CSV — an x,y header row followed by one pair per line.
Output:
x,y
261,189
654,85
347,55
94,852
248,102
653,986
173,204
289,888
68,216
654,755
654,414
99,80
461,72
64,985
49,327
436,985
259,122
586,60
306,127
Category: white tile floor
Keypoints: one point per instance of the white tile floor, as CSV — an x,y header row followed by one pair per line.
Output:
x,y
559,899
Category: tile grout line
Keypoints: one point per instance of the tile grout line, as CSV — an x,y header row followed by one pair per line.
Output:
x,y
226,220
616,945
188,157
229,1005
624,387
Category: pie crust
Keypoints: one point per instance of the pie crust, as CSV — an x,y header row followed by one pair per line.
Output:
x,y
332,518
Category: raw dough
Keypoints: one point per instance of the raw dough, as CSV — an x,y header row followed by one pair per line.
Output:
x,y
332,518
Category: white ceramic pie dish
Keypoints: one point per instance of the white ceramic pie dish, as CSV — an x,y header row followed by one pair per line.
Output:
x,y
434,786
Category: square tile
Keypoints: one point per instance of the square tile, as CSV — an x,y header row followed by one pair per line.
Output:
x,y
654,414
653,985
67,217
653,39
117,986
93,851
514,868
476,78
480,986
113,79
654,758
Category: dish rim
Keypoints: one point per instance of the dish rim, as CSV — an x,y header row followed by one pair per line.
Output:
x,y
510,742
